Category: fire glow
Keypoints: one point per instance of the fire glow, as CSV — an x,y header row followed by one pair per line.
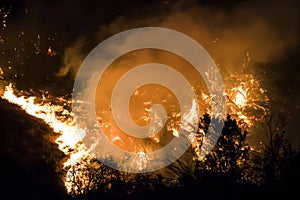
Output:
x,y
244,95
69,138
247,100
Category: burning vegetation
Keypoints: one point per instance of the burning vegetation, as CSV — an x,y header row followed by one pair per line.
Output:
x,y
83,173
234,167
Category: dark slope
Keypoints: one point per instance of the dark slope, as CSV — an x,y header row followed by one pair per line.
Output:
x,y
30,160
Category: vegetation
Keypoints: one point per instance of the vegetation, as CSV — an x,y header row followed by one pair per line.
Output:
x,y
232,170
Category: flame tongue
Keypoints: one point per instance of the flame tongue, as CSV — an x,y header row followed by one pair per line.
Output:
x,y
70,136
48,113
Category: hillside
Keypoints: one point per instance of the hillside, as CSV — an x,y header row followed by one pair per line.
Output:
x,y
30,159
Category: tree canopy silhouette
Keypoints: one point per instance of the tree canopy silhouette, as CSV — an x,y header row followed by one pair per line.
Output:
x,y
230,154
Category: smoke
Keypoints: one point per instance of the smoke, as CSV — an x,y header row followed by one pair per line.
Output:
x,y
73,56
247,36
261,32
250,35
251,27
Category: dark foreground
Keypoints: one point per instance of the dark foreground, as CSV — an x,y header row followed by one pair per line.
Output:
x,y
31,169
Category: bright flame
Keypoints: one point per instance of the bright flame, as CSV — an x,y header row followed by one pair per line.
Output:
x,y
70,136
191,119
245,99
241,97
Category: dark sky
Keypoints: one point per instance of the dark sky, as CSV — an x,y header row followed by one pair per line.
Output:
x,y
269,30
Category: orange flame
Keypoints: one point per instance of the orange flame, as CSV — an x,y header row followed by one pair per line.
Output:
x,y
244,95
70,136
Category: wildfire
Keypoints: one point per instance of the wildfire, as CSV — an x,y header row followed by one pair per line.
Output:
x,y
241,97
246,101
69,140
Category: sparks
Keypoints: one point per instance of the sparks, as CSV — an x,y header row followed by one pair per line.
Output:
x,y
247,100
244,95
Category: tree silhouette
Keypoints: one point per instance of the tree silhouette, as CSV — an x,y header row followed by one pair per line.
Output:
x,y
278,153
230,154
231,167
